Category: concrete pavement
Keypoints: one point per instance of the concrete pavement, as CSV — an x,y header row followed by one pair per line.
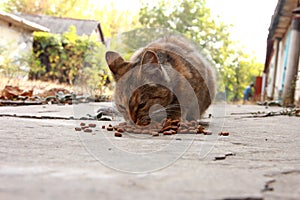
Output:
x,y
47,159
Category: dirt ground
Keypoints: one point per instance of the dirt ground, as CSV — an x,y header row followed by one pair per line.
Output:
x,y
45,158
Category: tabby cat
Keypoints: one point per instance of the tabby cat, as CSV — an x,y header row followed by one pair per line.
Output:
x,y
167,78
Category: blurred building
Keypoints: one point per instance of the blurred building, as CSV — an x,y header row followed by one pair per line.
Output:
x,y
16,36
281,73
16,30
59,25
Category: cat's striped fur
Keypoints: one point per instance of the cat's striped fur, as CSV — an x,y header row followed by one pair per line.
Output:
x,y
170,72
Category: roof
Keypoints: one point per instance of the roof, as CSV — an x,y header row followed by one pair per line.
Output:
x,y
60,25
281,18
279,26
19,21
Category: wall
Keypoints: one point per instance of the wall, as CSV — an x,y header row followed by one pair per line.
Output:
x,y
15,41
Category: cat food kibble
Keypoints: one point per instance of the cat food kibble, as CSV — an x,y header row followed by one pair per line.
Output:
x,y
77,129
118,134
154,134
205,132
88,130
166,127
82,124
121,130
103,126
167,133
224,133
92,125
200,129
110,128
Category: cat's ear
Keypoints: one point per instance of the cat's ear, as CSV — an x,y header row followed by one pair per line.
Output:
x,y
117,65
149,57
156,71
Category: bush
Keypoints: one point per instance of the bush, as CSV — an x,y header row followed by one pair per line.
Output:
x,y
68,58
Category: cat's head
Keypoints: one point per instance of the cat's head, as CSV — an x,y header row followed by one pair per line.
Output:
x,y
138,89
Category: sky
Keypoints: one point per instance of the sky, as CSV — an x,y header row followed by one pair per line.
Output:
x,y
250,18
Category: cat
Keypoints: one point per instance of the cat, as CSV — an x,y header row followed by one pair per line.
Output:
x,y
167,78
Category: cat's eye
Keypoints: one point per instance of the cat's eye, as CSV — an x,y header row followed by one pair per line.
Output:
x,y
141,105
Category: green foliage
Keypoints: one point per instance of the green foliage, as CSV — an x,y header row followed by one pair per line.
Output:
x,y
68,58
193,19
47,7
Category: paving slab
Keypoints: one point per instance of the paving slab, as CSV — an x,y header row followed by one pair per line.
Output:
x,y
48,159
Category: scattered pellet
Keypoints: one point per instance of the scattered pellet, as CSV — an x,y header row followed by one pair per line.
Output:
x,y
88,130
166,127
92,125
200,129
167,133
183,125
77,129
193,131
110,128
103,126
145,132
175,122
121,130
224,133
129,130
205,132
82,124
184,131
118,134
154,134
